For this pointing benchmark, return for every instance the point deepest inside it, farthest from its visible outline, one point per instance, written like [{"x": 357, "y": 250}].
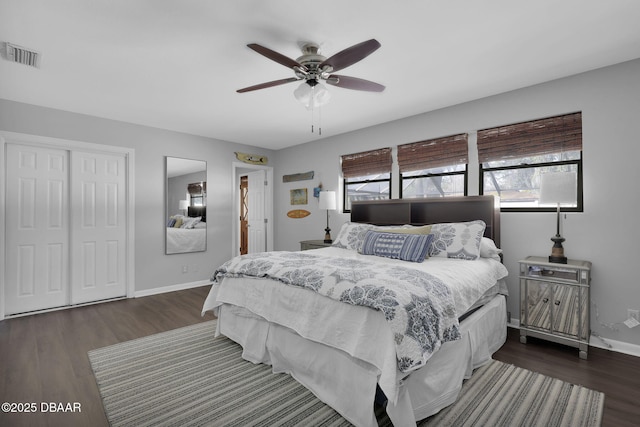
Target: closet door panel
[
  {"x": 37, "y": 230},
  {"x": 98, "y": 230}
]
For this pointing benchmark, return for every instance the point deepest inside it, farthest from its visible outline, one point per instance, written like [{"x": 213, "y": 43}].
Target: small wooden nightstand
[
  {"x": 554, "y": 302},
  {"x": 313, "y": 244}
]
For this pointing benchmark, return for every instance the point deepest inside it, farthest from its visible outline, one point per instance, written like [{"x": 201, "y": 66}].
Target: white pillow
[
  {"x": 459, "y": 240},
  {"x": 488, "y": 249},
  {"x": 190, "y": 222}
]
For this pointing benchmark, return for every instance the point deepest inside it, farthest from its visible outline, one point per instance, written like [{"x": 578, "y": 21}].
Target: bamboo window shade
[
  {"x": 367, "y": 163},
  {"x": 433, "y": 153},
  {"x": 197, "y": 188},
  {"x": 532, "y": 138}
]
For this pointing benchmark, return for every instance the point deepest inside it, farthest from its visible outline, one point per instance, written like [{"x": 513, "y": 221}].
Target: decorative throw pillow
[
  {"x": 178, "y": 223},
  {"x": 351, "y": 235},
  {"x": 171, "y": 222},
  {"x": 407, "y": 247},
  {"x": 457, "y": 239}
]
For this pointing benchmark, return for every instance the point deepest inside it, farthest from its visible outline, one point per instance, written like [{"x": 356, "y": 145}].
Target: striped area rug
[{"x": 185, "y": 377}]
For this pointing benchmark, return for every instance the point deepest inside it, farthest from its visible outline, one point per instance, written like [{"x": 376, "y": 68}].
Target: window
[
  {"x": 197, "y": 194},
  {"x": 513, "y": 158},
  {"x": 434, "y": 168},
  {"x": 367, "y": 176}
]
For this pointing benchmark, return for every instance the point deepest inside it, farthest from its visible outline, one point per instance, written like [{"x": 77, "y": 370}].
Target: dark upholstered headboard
[
  {"x": 431, "y": 211},
  {"x": 201, "y": 211}
]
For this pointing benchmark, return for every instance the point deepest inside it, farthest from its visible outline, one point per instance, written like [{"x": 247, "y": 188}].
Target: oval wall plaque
[{"x": 298, "y": 213}]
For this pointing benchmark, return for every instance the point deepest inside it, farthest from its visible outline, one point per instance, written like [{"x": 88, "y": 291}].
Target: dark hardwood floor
[{"x": 43, "y": 358}]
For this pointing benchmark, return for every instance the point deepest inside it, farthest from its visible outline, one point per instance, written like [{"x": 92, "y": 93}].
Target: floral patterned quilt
[{"x": 418, "y": 307}]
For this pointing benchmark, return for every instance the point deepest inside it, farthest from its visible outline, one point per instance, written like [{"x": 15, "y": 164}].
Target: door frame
[
  {"x": 238, "y": 169},
  {"x": 66, "y": 144}
]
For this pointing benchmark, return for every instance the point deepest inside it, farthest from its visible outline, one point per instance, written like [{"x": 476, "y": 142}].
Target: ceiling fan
[{"x": 313, "y": 67}]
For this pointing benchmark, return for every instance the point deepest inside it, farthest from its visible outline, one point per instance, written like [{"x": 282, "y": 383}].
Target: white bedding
[
  {"x": 468, "y": 280},
  {"x": 181, "y": 240},
  {"x": 360, "y": 333},
  {"x": 348, "y": 384}
]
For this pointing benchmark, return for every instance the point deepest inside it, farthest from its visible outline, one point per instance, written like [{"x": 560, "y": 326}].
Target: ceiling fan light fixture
[
  {"x": 312, "y": 95},
  {"x": 312, "y": 66}
]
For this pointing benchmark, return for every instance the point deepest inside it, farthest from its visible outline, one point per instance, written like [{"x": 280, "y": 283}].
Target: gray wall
[
  {"x": 154, "y": 269},
  {"x": 606, "y": 233}
]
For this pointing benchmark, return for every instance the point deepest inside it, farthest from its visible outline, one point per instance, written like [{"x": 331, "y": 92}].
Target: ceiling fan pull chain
[
  {"x": 312, "y": 104},
  {"x": 320, "y": 121}
]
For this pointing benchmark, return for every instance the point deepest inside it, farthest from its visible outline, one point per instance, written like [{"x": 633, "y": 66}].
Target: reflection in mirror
[{"x": 186, "y": 206}]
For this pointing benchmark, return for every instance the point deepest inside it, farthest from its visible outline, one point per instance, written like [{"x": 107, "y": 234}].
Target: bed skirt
[{"x": 348, "y": 384}]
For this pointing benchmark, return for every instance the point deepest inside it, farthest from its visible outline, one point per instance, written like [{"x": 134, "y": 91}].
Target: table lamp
[
  {"x": 558, "y": 188},
  {"x": 327, "y": 201}
]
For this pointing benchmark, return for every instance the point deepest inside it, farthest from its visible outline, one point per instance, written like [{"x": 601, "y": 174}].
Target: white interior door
[
  {"x": 37, "y": 229},
  {"x": 256, "y": 202},
  {"x": 98, "y": 226}
]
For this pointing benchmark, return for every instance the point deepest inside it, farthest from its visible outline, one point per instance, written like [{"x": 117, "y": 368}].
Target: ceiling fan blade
[
  {"x": 354, "y": 83},
  {"x": 267, "y": 84},
  {"x": 351, "y": 55},
  {"x": 277, "y": 57}
]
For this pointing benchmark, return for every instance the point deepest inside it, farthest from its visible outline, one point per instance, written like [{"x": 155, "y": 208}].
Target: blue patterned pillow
[{"x": 407, "y": 247}]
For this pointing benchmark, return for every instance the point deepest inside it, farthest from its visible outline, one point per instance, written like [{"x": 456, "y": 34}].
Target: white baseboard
[
  {"x": 171, "y": 288},
  {"x": 599, "y": 342},
  {"x": 613, "y": 345}
]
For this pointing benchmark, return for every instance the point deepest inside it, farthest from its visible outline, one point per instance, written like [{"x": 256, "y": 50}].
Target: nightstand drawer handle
[
  {"x": 557, "y": 302},
  {"x": 545, "y": 300}
]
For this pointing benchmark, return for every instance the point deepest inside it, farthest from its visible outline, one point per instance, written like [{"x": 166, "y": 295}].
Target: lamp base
[
  {"x": 327, "y": 235},
  {"x": 557, "y": 251}
]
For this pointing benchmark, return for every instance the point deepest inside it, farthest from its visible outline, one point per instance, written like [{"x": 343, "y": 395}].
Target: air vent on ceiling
[{"x": 22, "y": 55}]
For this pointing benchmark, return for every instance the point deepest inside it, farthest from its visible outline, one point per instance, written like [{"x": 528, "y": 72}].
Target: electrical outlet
[
  {"x": 633, "y": 314},
  {"x": 185, "y": 269}
]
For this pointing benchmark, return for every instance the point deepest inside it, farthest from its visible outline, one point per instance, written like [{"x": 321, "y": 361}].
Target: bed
[
  {"x": 355, "y": 324},
  {"x": 191, "y": 233}
]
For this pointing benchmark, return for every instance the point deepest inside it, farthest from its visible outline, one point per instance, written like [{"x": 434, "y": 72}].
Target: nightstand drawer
[
  {"x": 305, "y": 245},
  {"x": 536, "y": 271}
]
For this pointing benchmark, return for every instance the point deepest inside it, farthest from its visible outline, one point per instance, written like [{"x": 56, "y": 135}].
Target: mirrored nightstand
[{"x": 554, "y": 302}]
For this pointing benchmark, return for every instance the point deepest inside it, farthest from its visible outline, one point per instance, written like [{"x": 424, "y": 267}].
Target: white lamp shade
[
  {"x": 183, "y": 204},
  {"x": 327, "y": 200},
  {"x": 558, "y": 187}
]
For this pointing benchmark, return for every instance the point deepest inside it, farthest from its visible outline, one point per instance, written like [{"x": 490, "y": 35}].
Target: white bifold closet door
[
  {"x": 65, "y": 228},
  {"x": 98, "y": 227},
  {"x": 37, "y": 229}
]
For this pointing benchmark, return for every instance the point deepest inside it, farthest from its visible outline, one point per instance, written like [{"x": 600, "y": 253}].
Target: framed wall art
[{"x": 299, "y": 196}]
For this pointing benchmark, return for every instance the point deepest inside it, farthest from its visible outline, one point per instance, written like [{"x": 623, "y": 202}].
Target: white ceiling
[{"x": 176, "y": 64}]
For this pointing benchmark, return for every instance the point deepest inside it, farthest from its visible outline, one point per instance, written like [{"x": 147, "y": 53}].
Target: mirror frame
[{"x": 181, "y": 173}]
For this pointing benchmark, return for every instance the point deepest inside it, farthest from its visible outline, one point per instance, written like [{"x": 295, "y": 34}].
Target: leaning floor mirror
[{"x": 186, "y": 206}]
